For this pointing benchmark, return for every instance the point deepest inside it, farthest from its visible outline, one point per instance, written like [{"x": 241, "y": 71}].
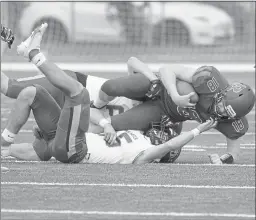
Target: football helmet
[
  {"x": 238, "y": 100},
  {"x": 161, "y": 132}
]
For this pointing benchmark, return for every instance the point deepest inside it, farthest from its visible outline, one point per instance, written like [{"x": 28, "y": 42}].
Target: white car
[
  {"x": 170, "y": 22},
  {"x": 72, "y": 21},
  {"x": 190, "y": 22}
]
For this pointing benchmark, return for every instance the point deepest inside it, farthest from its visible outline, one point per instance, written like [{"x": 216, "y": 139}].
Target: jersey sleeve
[
  {"x": 208, "y": 80},
  {"x": 233, "y": 129}
]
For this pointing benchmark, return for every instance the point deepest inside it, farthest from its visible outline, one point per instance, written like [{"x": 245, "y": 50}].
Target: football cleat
[
  {"x": 215, "y": 159},
  {"x": 32, "y": 42}
]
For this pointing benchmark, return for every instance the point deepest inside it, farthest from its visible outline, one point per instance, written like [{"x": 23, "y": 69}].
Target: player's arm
[
  {"x": 233, "y": 151},
  {"x": 232, "y": 130},
  {"x": 22, "y": 151},
  {"x": 157, "y": 152},
  {"x": 134, "y": 65},
  {"x": 169, "y": 74},
  {"x": 98, "y": 118}
]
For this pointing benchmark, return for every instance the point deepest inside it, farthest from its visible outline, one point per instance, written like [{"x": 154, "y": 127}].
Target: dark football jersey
[{"x": 207, "y": 81}]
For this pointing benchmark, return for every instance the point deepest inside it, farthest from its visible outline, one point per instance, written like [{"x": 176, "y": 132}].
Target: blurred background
[{"x": 153, "y": 31}]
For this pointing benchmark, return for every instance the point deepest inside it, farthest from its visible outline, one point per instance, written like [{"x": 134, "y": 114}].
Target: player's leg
[
  {"x": 4, "y": 83},
  {"x": 22, "y": 151},
  {"x": 19, "y": 115},
  {"x": 30, "y": 48},
  {"x": 45, "y": 110},
  {"x": 69, "y": 145},
  {"x": 12, "y": 87},
  {"x": 139, "y": 117},
  {"x": 133, "y": 87}
]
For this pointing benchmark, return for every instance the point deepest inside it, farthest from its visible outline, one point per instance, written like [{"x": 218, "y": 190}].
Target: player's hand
[
  {"x": 211, "y": 123},
  {"x": 110, "y": 134},
  {"x": 155, "y": 89},
  {"x": 7, "y": 35},
  {"x": 184, "y": 100}
]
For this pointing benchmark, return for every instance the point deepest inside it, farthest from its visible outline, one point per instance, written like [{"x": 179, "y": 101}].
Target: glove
[
  {"x": 154, "y": 90},
  {"x": 215, "y": 159},
  {"x": 7, "y": 35}
]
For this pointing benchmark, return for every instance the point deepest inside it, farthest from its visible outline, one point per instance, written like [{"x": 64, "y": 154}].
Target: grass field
[{"x": 190, "y": 189}]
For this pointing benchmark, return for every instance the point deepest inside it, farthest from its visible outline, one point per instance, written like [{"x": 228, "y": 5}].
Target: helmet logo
[
  {"x": 230, "y": 111},
  {"x": 238, "y": 125},
  {"x": 212, "y": 84},
  {"x": 236, "y": 87}
]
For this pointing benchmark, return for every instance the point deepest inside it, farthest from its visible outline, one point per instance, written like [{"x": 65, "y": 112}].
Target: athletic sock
[
  {"x": 98, "y": 103},
  {"x": 8, "y": 137},
  {"x": 37, "y": 57}
]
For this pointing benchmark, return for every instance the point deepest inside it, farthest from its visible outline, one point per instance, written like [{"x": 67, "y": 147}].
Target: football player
[
  {"x": 12, "y": 88},
  {"x": 61, "y": 132},
  {"x": 211, "y": 96},
  {"x": 131, "y": 146}
]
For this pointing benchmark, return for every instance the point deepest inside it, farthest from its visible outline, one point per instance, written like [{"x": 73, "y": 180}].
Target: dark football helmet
[{"x": 163, "y": 131}]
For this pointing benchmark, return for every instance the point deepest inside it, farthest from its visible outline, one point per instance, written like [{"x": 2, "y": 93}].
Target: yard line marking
[
  {"x": 129, "y": 185},
  {"x": 243, "y": 146},
  {"x": 171, "y": 164},
  {"x": 187, "y": 214}
]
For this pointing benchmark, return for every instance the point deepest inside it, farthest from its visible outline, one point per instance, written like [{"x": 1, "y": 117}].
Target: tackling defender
[
  {"x": 214, "y": 97},
  {"x": 66, "y": 140}
]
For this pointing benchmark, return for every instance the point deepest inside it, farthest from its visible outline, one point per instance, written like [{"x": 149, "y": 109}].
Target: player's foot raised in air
[{"x": 33, "y": 41}]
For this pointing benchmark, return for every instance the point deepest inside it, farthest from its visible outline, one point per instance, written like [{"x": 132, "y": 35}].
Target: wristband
[
  {"x": 103, "y": 122},
  {"x": 195, "y": 132}
]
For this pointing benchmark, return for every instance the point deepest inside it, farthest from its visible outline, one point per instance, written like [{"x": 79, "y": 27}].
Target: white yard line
[
  {"x": 117, "y": 213},
  {"x": 6, "y": 160},
  {"x": 129, "y": 185}
]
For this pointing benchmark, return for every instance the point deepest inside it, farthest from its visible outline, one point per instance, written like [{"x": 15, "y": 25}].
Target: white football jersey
[{"x": 130, "y": 145}]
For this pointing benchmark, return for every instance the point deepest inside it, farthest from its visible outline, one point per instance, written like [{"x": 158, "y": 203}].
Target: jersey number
[
  {"x": 238, "y": 125},
  {"x": 123, "y": 136},
  {"x": 212, "y": 84},
  {"x": 237, "y": 87}
]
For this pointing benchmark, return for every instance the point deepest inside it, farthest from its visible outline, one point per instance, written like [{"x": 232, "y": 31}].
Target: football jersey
[
  {"x": 206, "y": 82},
  {"x": 129, "y": 145}
]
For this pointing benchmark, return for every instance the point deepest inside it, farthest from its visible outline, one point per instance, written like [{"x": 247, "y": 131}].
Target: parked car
[
  {"x": 158, "y": 22},
  {"x": 72, "y": 21},
  {"x": 190, "y": 22}
]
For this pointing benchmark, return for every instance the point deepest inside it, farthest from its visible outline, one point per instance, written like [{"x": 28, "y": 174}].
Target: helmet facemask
[{"x": 220, "y": 98}]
